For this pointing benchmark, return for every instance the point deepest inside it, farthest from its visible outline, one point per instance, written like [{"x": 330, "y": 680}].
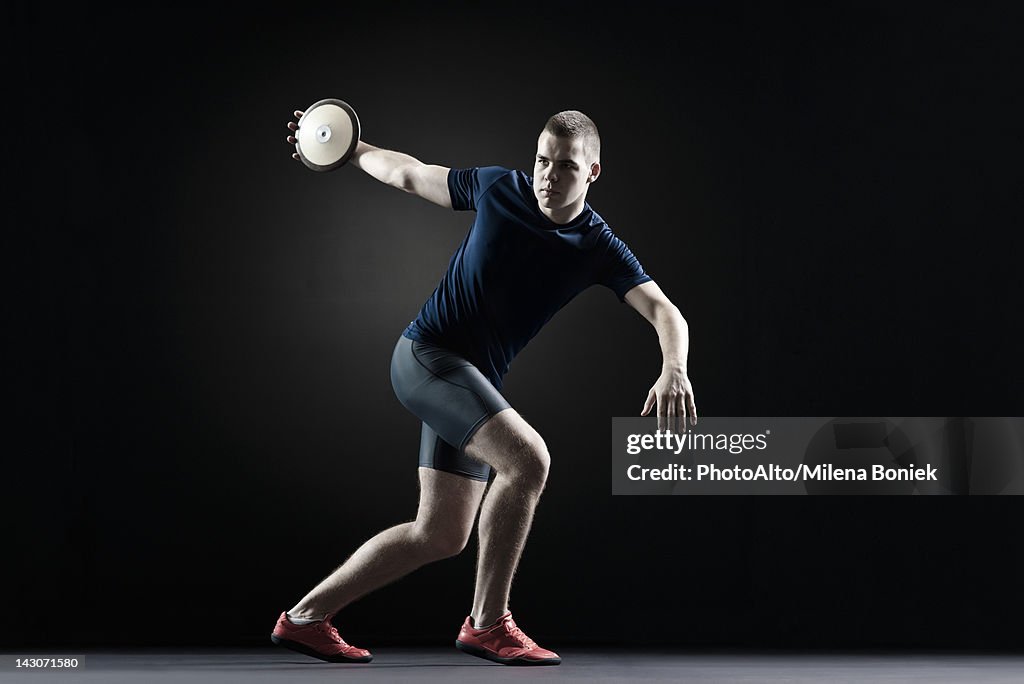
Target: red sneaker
[
  {"x": 503, "y": 643},
  {"x": 318, "y": 639}
]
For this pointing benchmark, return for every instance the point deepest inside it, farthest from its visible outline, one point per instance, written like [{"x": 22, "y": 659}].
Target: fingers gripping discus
[{"x": 327, "y": 135}]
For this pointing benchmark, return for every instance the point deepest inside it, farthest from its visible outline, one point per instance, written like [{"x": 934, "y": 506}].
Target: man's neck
[{"x": 565, "y": 215}]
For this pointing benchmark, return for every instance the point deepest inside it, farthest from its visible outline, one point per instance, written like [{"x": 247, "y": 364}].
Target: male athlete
[{"x": 535, "y": 244}]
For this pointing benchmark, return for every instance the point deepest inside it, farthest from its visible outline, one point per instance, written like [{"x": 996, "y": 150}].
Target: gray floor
[{"x": 443, "y": 666}]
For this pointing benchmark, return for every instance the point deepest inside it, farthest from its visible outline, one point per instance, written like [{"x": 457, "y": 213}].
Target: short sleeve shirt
[{"x": 515, "y": 269}]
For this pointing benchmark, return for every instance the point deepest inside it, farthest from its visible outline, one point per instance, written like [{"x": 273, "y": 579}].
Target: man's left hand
[{"x": 673, "y": 396}]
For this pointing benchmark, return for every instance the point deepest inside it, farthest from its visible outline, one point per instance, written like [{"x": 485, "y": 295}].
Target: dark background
[{"x": 204, "y": 424}]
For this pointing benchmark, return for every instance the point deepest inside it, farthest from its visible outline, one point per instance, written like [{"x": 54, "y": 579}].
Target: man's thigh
[
  {"x": 452, "y": 398},
  {"x": 440, "y": 455}
]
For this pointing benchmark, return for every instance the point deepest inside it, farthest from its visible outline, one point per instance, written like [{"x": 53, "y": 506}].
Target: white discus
[{"x": 327, "y": 135}]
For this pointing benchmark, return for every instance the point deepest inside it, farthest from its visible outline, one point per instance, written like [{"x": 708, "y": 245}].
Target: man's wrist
[{"x": 676, "y": 367}]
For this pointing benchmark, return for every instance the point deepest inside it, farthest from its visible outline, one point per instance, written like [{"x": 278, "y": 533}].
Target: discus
[{"x": 327, "y": 135}]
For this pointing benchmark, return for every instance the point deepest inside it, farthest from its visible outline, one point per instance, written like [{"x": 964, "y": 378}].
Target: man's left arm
[{"x": 672, "y": 392}]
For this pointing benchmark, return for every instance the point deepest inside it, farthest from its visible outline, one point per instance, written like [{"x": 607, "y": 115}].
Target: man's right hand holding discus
[{"x": 326, "y": 134}]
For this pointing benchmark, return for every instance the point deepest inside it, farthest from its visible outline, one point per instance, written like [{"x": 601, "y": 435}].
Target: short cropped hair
[{"x": 573, "y": 124}]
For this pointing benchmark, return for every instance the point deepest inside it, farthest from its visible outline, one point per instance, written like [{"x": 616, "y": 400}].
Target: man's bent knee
[
  {"x": 512, "y": 447},
  {"x": 447, "y": 546},
  {"x": 536, "y": 463},
  {"x": 528, "y": 463},
  {"x": 439, "y": 541}
]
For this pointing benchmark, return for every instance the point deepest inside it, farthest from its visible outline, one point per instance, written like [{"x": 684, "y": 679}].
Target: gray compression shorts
[{"x": 452, "y": 398}]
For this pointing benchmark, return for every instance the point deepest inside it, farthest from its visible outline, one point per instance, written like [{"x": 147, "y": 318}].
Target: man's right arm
[{"x": 404, "y": 172}]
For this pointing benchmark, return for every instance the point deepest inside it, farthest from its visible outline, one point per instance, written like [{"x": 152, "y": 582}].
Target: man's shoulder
[
  {"x": 597, "y": 225},
  {"x": 513, "y": 184},
  {"x": 489, "y": 176},
  {"x": 492, "y": 172}
]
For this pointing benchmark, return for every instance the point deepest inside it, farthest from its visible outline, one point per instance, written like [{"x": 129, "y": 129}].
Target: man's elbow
[{"x": 669, "y": 312}]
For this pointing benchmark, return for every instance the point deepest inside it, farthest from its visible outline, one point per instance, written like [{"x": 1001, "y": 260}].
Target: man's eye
[{"x": 541, "y": 162}]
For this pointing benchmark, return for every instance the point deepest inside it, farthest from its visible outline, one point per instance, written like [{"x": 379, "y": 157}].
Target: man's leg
[
  {"x": 520, "y": 458},
  {"x": 447, "y": 509}
]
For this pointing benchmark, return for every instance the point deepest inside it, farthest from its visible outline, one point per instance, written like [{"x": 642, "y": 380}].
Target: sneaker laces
[
  {"x": 520, "y": 635},
  {"x": 330, "y": 630}
]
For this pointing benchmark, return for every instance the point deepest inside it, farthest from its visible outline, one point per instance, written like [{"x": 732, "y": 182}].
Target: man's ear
[{"x": 595, "y": 171}]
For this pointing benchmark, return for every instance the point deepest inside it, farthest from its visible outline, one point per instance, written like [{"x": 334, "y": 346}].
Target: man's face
[{"x": 561, "y": 173}]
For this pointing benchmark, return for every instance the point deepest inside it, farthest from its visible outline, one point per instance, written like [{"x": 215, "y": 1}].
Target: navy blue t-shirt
[{"x": 515, "y": 269}]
